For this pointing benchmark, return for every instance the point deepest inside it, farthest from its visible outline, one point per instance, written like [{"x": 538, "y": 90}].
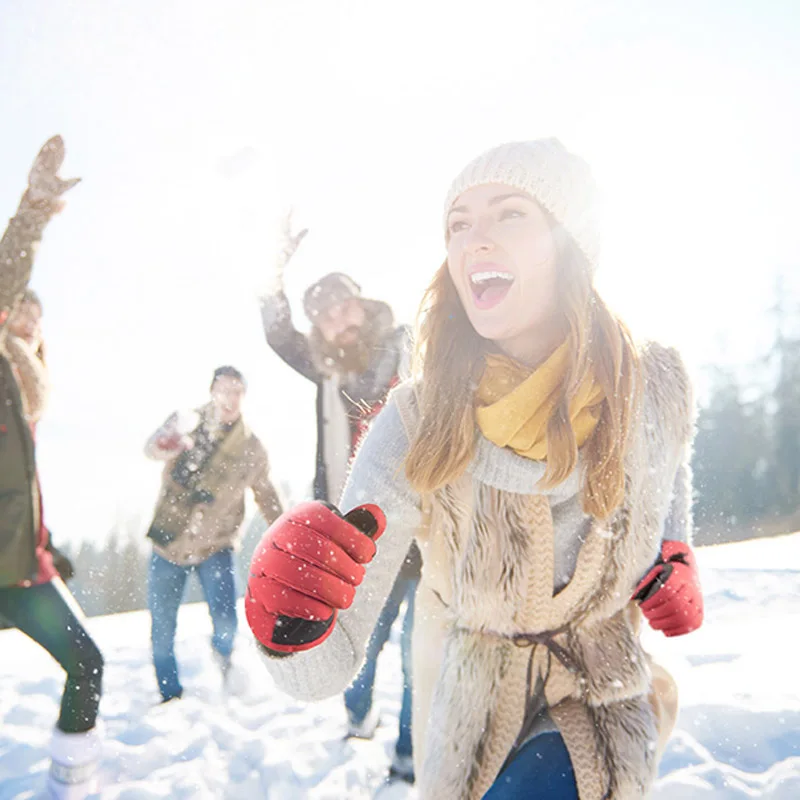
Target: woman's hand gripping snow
[{"x": 305, "y": 570}]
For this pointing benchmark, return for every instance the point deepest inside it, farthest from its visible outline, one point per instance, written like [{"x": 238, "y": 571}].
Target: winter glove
[
  {"x": 62, "y": 564},
  {"x": 305, "y": 569},
  {"x": 173, "y": 443},
  {"x": 45, "y": 187},
  {"x": 289, "y": 244},
  {"x": 172, "y": 438},
  {"x": 40, "y": 201},
  {"x": 273, "y": 285},
  {"x": 670, "y": 595}
]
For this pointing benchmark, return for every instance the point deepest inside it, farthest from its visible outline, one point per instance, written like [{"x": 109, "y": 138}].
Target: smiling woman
[
  {"x": 549, "y": 455},
  {"x": 32, "y": 597}
]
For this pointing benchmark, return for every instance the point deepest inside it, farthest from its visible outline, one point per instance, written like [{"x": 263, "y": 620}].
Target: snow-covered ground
[{"x": 738, "y": 735}]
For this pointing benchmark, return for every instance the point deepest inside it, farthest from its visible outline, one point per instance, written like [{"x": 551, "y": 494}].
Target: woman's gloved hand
[
  {"x": 306, "y": 569},
  {"x": 670, "y": 595}
]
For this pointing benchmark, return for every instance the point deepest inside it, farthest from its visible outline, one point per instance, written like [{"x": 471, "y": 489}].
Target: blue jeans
[
  {"x": 541, "y": 768},
  {"x": 358, "y": 698},
  {"x": 165, "y": 592}
]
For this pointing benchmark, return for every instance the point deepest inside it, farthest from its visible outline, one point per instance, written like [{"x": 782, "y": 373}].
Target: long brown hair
[{"x": 449, "y": 359}]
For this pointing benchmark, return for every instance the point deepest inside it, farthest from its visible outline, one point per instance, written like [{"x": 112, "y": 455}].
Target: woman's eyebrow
[
  {"x": 499, "y": 199},
  {"x": 492, "y": 202}
]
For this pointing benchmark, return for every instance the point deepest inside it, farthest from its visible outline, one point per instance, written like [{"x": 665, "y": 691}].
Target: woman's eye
[
  {"x": 511, "y": 213},
  {"x": 458, "y": 225}
]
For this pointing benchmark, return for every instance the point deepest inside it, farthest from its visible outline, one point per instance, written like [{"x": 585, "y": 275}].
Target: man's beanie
[
  {"x": 327, "y": 292},
  {"x": 558, "y": 180},
  {"x": 229, "y": 372}
]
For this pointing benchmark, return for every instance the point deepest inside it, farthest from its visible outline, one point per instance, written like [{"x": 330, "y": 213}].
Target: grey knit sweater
[{"x": 378, "y": 476}]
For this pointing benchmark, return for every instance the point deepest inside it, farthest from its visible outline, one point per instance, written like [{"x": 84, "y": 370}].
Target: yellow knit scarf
[{"x": 514, "y": 405}]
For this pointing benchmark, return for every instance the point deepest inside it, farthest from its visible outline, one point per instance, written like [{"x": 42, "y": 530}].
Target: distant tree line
[
  {"x": 747, "y": 449},
  {"x": 111, "y": 576}
]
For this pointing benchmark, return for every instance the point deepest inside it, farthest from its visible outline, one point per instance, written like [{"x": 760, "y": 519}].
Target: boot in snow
[
  {"x": 75, "y": 757},
  {"x": 164, "y": 700},
  {"x": 365, "y": 729},
  {"x": 224, "y": 664},
  {"x": 402, "y": 768}
]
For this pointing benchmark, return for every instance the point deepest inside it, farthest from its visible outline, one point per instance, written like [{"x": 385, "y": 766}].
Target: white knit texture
[{"x": 558, "y": 180}]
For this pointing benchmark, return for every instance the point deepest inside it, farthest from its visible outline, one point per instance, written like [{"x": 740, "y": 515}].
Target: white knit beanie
[{"x": 558, "y": 180}]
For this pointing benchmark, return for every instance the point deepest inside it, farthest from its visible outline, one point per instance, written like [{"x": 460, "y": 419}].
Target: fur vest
[
  {"x": 31, "y": 374},
  {"x": 492, "y": 641}
]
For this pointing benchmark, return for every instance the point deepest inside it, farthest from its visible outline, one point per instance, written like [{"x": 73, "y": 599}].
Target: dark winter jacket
[
  {"x": 360, "y": 395},
  {"x": 24, "y": 557},
  {"x": 20, "y": 520}
]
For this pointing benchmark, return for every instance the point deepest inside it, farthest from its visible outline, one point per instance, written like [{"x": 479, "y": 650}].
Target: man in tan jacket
[{"x": 209, "y": 465}]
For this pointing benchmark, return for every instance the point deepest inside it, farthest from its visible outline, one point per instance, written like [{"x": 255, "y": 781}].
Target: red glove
[
  {"x": 168, "y": 441},
  {"x": 670, "y": 595},
  {"x": 305, "y": 569},
  {"x": 174, "y": 442}
]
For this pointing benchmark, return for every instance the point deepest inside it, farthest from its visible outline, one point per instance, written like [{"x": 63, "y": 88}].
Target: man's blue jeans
[
  {"x": 358, "y": 698},
  {"x": 165, "y": 592}
]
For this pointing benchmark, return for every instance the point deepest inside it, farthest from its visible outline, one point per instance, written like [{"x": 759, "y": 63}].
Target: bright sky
[{"x": 194, "y": 124}]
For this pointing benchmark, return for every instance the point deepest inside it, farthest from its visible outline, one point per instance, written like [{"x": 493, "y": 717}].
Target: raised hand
[
  {"x": 291, "y": 241},
  {"x": 41, "y": 200},
  {"x": 45, "y": 186},
  {"x": 288, "y": 247}
]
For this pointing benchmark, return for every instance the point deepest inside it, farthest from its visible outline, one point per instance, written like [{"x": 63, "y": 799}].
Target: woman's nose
[{"x": 477, "y": 241}]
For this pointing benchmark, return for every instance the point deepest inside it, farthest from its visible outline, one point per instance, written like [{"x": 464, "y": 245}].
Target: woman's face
[{"x": 501, "y": 255}]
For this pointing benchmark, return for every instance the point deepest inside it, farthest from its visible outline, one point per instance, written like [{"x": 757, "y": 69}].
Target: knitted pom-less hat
[
  {"x": 329, "y": 291},
  {"x": 558, "y": 180}
]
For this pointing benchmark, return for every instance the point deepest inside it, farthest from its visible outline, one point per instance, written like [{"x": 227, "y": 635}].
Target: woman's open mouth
[{"x": 489, "y": 287}]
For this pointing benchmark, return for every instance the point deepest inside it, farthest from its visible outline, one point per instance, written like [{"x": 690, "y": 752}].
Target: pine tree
[
  {"x": 786, "y": 353},
  {"x": 732, "y": 456}
]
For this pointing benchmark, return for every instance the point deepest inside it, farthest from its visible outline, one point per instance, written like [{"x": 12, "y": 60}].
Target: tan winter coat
[
  {"x": 488, "y": 576},
  {"x": 201, "y": 529}
]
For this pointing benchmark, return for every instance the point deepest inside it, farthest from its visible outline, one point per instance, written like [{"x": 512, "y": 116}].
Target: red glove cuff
[{"x": 278, "y": 632}]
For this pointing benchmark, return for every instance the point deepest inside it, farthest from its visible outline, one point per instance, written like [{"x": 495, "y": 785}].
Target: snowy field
[{"x": 738, "y": 735}]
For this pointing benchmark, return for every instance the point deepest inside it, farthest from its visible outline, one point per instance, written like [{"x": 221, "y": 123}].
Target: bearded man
[{"x": 353, "y": 353}]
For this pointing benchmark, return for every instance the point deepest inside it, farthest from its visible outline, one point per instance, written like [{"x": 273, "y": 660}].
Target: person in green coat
[{"x": 32, "y": 597}]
